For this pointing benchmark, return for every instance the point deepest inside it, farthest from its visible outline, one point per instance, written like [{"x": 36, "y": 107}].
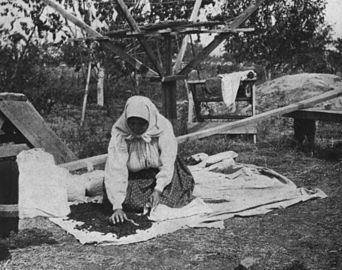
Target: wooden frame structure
[
  {"x": 22, "y": 128},
  {"x": 171, "y": 73},
  {"x": 200, "y": 94}
]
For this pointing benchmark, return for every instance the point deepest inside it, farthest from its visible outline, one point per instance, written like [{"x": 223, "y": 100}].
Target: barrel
[{"x": 9, "y": 217}]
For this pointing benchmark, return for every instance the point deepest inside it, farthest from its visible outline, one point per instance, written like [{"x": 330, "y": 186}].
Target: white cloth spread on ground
[
  {"x": 238, "y": 190},
  {"x": 230, "y": 83}
]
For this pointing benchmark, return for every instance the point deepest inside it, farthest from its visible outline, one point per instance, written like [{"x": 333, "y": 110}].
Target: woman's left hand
[{"x": 155, "y": 198}]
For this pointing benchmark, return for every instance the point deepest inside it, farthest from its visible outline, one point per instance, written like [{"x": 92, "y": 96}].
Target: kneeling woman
[{"x": 142, "y": 165}]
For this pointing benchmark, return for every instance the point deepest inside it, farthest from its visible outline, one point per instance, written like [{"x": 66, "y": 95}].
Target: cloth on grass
[
  {"x": 228, "y": 191},
  {"x": 230, "y": 83},
  {"x": 45, "y": 188},
  {"x": 141, "y": 185}
]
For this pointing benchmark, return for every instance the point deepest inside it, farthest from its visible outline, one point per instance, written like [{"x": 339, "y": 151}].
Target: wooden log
[
  {"x": 135, "y": 63},
  {"x": 247, "y": 121}
]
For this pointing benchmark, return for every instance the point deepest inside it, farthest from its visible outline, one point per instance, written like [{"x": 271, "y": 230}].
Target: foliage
[
  {"x": 335, "y": 55},
  {"x": 289, "y": 35}
]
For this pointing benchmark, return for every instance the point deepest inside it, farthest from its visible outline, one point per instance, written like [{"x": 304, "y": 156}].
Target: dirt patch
[
  {"x": 289, "y": 89},
  {"x": 96, "y": 218},
  {"x": 29, "y": 237}
]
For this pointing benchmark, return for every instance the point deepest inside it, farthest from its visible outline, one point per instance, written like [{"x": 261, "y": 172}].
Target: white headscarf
[{"x": 142, "y": 107}]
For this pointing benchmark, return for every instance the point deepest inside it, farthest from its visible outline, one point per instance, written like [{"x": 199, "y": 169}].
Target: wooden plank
[
  {"x": 135, "y": 63},
  {"x": 12, "y": 150},
  {"x": 30, "y": 123},
  {"x": 196, "y": 126},
  {"x": 9, "y": 210},
  {"x": 141, "y": 39},
  {"x": 173, "y": 78},
  {"x": 173, "y": 32},
  {"x": 224, "y": 116},
  {"x": 84, "y": 163},
  {"x": 317, "y": 114},
  {"x": 219, "y": 38},
  {"x": 185, "y": 41},
  {"x": 12, "y": 96},
  {"x": 247, "y": 121}
]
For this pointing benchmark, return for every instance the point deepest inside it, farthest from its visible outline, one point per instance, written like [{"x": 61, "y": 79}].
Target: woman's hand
[
  {"x": 155, "y": 198},
  {"x": 118, "y": 216}
]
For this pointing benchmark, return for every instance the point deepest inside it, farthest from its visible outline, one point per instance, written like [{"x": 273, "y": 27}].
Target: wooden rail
[{"x": 317, "y": 114}]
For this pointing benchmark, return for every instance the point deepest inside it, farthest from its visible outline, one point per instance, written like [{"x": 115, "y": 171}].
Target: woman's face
[{"x": 137, "y": 125}]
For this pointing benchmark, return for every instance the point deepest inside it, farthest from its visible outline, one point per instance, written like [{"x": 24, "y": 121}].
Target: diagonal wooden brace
[
  {"x": 141, "y": 39},
  {"x": 221, "y": 37},
  {"x": 135, "y": 63}
]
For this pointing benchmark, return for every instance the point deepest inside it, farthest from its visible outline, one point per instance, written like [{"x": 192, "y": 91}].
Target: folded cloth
[{"x": 230, "y": 84}]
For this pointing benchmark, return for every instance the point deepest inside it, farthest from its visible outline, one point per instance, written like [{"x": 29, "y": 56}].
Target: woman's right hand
[{"x": 118, "y": 216}]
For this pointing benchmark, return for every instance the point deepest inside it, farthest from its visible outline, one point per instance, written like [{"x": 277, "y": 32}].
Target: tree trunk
[{"x": 100, "y": 85}]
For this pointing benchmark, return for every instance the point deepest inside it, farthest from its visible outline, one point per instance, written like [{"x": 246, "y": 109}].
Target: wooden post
[
  {"x": 169, "y": 88},
  {"x": 253, "y": 108},
  {"x": 181, "y": 53},
  {"x": 86, "y": 91},
  {"x": 169, "y": 101},
  {"x": 100, "y": 83}
]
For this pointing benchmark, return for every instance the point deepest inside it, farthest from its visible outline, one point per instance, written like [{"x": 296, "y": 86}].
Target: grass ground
[{"x": 305, "y": 236}]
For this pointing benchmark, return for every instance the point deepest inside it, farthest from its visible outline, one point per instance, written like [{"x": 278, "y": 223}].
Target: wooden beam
[
  {"x": 169, "y": 88},
  {"x": 135, "y": 63},
  {"x": 252, "y": 120},
  {"x": 12, "y": 96},
  {"x": 185, "y": 41},
  {"x": 84, "y": 163},
  {"x": 141, "y": 39},
  {"x": 32, "y": 126},
  {"x": 9, "y": 210},
  {"x": 173, "y": 78},
  {"x": 12, "y": 150},
  {"x": 317, "y": 114},
  {"x": 221, "y": 37}
]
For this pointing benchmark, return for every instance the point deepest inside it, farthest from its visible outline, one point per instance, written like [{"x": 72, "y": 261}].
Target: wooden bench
[
  {"x": 305, "y": 122},
  {"x": 202, "y": 95}
]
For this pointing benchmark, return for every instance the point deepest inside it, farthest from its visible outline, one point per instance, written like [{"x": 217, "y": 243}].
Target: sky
[{"x": 334, "y": 16}]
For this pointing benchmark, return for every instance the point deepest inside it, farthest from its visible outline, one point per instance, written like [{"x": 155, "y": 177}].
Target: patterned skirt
[{"x": 141, "y": 185}]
